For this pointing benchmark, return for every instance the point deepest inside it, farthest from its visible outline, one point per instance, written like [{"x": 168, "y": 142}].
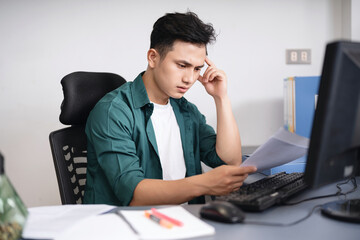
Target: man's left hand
[{"x": 214, "y": 80}]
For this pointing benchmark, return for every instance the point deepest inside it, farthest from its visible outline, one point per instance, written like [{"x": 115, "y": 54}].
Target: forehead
[{"x": 189, "y": 52}]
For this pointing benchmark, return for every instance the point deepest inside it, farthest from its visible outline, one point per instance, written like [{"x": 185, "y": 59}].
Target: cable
[
  {"x": 284, "y": 224},
  {"x": 338, "y": 193},
  {"x": 353, "y": 180}
]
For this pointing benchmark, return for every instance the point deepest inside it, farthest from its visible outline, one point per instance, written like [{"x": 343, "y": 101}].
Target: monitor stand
[{"x": 344, "y": 210}]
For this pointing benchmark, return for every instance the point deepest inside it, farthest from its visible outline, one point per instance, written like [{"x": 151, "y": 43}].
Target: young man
[{"x": 146, "y": 141}]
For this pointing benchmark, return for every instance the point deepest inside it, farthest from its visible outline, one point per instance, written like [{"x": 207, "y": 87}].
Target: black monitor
[{"x": 334, "y": 151}]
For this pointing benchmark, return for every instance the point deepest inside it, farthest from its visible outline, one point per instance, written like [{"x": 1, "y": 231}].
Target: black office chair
[{"x": 82, "y": 90}]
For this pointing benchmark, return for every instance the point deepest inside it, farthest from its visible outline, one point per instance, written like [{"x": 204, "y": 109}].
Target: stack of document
[{"x": 49, "y": 222}]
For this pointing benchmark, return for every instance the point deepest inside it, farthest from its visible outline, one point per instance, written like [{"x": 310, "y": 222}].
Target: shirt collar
[
  {"x": 138, "y": 92},
  {"x": 181, "y": 102}
]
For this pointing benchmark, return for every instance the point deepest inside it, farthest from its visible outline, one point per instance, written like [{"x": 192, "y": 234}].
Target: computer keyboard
[{"x": 266, "y": 192}]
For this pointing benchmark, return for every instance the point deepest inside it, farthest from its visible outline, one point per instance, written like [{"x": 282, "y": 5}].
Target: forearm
[
  {"x": 219, "y": 181},
  {"x": 161, "y": 192},
  {"x": 228, "y": 143}
]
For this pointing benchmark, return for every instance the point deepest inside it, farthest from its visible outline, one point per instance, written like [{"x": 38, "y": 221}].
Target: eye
[
  {"x": 197, "y": 69},
  {"x": 181, "y": 65}
]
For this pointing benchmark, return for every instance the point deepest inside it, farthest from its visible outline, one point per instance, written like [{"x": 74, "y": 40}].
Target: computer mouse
[{"x": 222, "y": 211}]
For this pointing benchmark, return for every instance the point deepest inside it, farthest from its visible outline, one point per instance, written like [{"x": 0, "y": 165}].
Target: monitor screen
[{"x": 335, "y": 138}]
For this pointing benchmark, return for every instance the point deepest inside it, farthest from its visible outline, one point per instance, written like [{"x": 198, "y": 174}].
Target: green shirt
[{"x": 122, "y": 148}]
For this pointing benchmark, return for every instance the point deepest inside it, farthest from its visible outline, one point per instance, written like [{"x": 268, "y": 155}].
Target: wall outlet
[{"x": 298, "y": 56}]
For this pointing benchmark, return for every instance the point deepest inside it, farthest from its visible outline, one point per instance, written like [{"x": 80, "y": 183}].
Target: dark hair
[{"x": 186, "y": 27}]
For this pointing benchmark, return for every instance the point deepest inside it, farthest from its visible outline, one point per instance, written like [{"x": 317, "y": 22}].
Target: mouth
[{"x": 182, "y": 89}]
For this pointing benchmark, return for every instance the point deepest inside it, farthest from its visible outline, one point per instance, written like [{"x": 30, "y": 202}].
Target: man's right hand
[{"x": 225, "y": 179}]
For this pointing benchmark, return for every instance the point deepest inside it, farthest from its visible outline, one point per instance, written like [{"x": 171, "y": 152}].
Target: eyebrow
[{"x": 189, "y": 64}]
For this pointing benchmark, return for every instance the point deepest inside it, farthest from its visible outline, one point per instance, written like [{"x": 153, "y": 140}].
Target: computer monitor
[{"x": 334, "y": 150}]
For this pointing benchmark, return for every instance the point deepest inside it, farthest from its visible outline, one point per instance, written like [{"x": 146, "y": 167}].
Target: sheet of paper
[
  {"x": 148, "y": 229},
  {"x": 49, "y": 221},
  {"x": 281, "y": 148},
  {"x": 105, "y": 226}
]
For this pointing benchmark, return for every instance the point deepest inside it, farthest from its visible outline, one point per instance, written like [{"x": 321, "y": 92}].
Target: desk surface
[{"x": 316, "y": 226}]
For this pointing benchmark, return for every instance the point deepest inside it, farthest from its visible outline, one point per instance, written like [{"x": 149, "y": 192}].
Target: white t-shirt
[{"x": 168, "y": 141}]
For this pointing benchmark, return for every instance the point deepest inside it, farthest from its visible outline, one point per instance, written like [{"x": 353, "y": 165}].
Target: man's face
[{"x": 175, "y": 73}]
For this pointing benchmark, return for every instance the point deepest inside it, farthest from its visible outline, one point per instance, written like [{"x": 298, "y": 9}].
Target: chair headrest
[{"x": 82, "y": 90}]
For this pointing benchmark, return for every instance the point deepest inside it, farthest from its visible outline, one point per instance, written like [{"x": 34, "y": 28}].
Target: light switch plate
[{"x": 298, "y": 56}]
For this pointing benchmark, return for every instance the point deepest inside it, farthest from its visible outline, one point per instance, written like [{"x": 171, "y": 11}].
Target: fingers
[
  {"x": 248, "y": 169},
  {"x": 209, "y": 62},
  {"x": 238, "y": 180},
  {"x": 236, "y": 183},
  {"x": 237, "y": 176},
  {"x": 226, "y": 178},
  {"x": 210, "y": 73},
  {"x": 237, "y": 171}
]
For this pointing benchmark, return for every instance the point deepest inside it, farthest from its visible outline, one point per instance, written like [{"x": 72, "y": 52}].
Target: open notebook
[{"x": 147, "y": 229}]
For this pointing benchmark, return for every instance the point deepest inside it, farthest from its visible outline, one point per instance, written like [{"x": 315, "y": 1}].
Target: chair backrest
[
  {"x": 68, "y": 146},
  {"x": 82, "y": 90}
]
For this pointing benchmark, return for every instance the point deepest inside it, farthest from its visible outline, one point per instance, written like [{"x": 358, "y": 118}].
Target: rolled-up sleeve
[{"x": 109, "y": 130}]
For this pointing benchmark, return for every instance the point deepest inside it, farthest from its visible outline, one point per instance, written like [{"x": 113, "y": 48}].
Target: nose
[{"x": 189, "y": 77}]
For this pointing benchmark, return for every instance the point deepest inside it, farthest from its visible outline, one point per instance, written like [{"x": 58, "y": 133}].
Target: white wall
[
  {"x": 355, "y": 20},
  {"x": 41, "y": 41}
]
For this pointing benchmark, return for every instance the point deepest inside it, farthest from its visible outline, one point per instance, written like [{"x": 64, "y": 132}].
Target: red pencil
[{"x": 163, "y": 216}]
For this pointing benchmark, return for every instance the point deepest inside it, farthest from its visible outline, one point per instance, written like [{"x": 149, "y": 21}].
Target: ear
[{"x": 153, "y": 57}]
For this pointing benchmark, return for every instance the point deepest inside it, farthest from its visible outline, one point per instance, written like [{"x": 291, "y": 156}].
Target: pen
[
  {"x": 162, "y": 222},
  {"x": 163, "y": 216}
]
